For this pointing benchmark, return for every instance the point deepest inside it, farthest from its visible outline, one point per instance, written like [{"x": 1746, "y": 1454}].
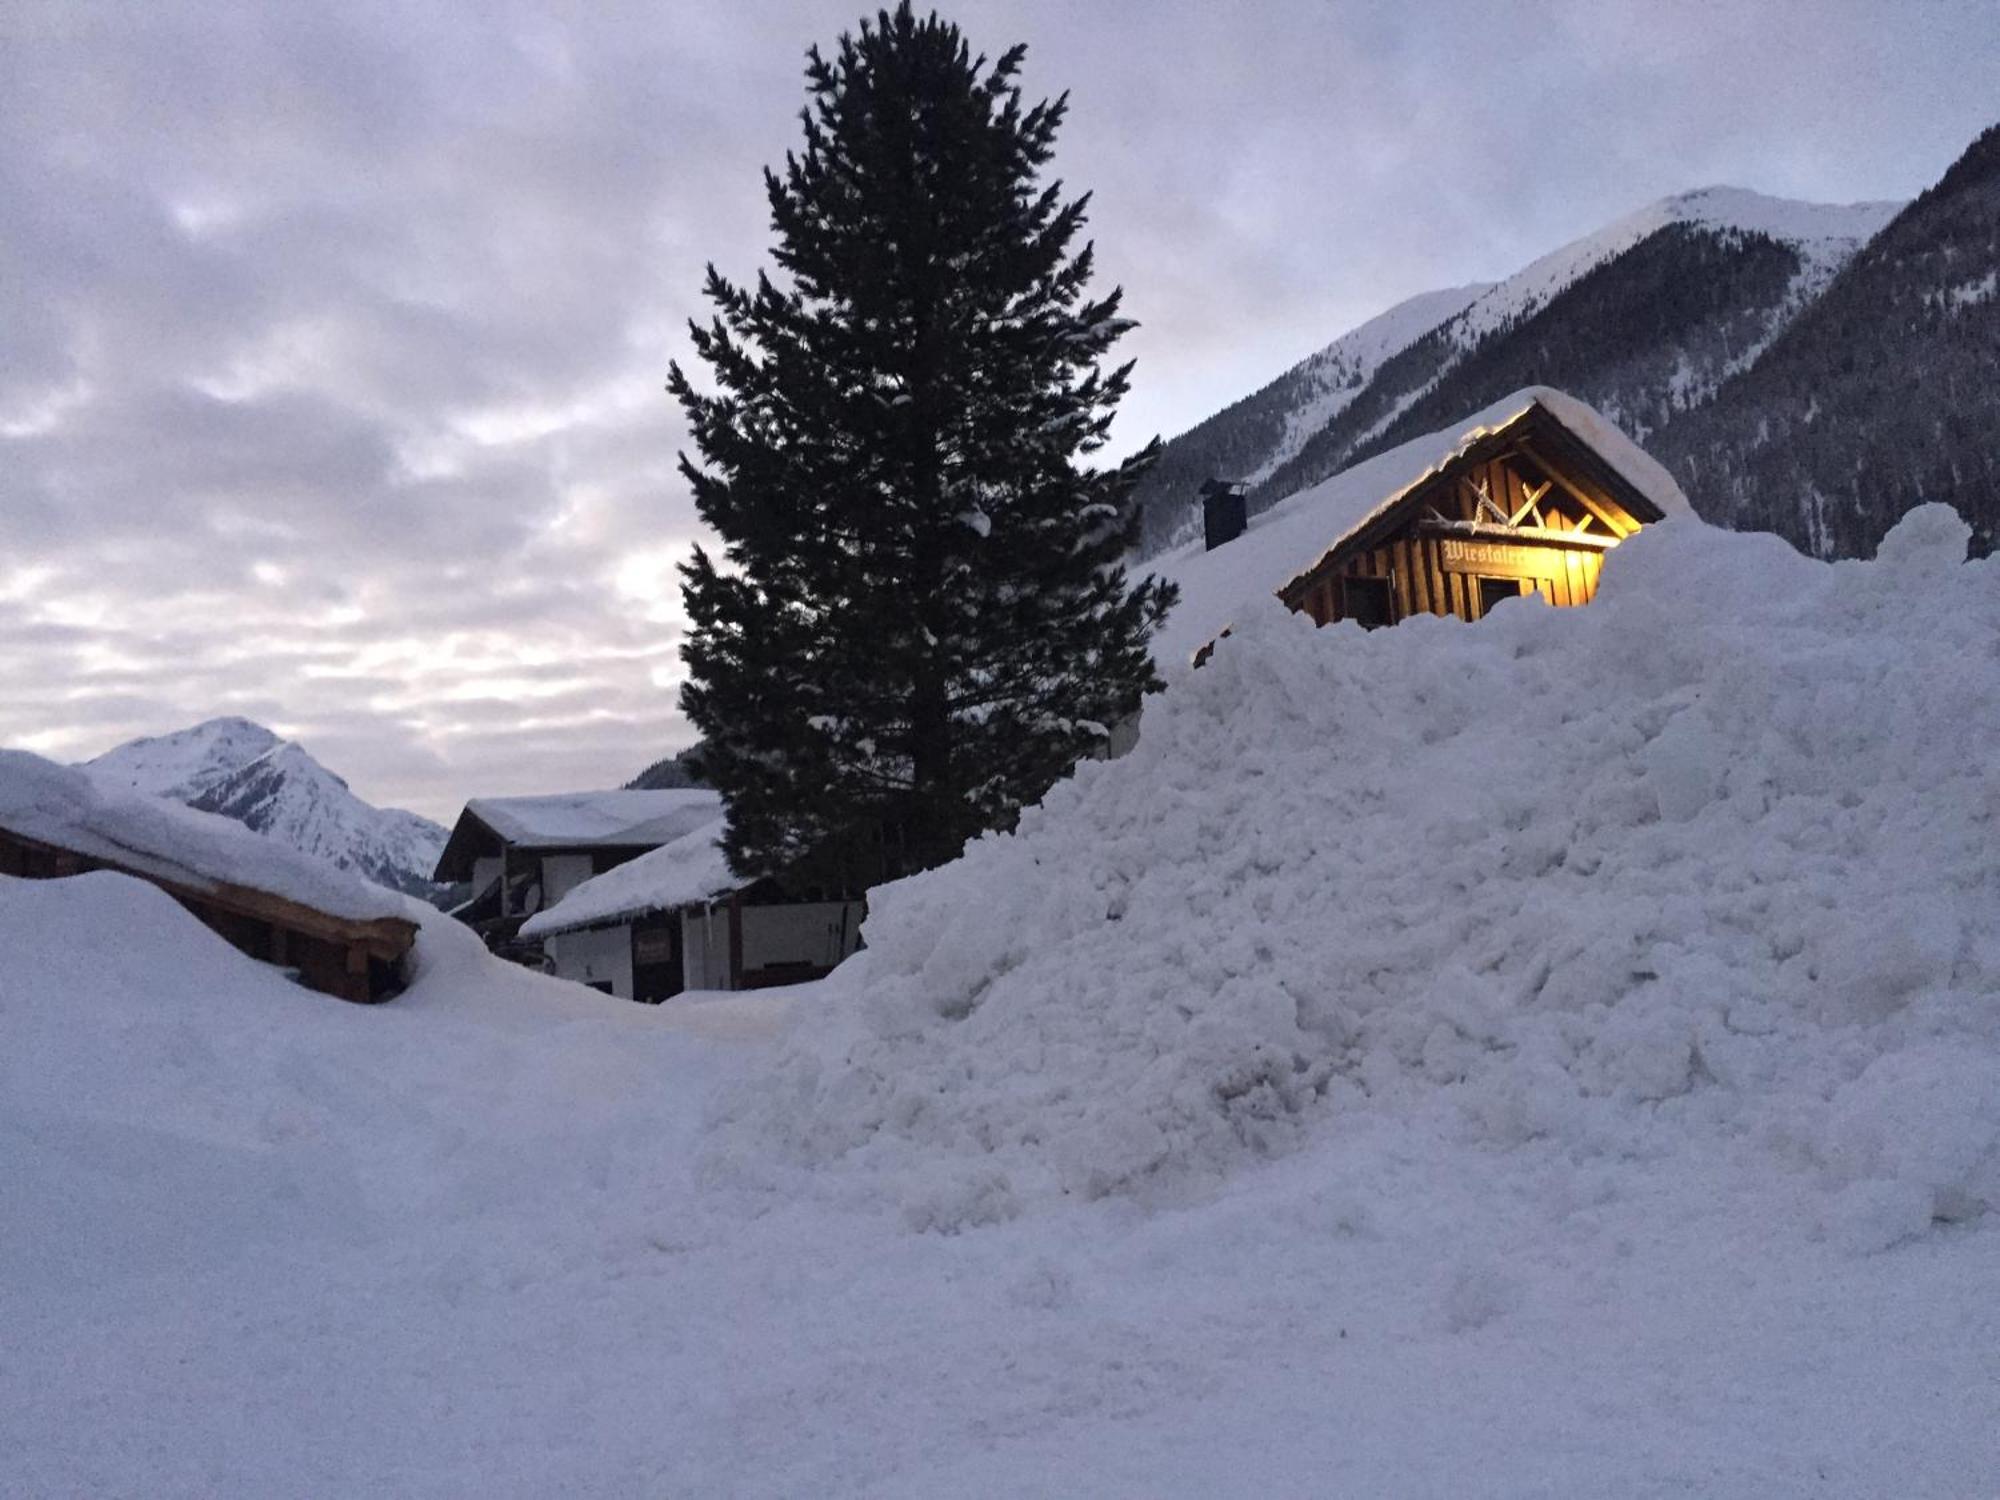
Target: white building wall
[
  {"x": 811, "y": 932},
  {"x": 705, "y": 947},
  {"x": 562, "y": 873},
  {"x": 484, "y": 872},
  {"x": 594, "y": 955}
]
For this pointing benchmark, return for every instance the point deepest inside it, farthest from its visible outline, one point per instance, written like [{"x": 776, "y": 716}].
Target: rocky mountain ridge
[{"x": 244, "y": 771}]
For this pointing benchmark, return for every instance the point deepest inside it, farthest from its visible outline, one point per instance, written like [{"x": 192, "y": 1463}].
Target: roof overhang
[{"x": 471, "y": 837}]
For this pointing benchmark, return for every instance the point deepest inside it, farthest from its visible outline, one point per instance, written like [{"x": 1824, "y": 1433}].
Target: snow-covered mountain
[
  {"x": 1823, "y": 234},
  {"x": 1265, "y": 430},
  {"x": 243, "y": 771},
  {"x": 1878, "y": 398},
  {"x": 186, "y": 763},
  {"x": 1644, "y": 318}
]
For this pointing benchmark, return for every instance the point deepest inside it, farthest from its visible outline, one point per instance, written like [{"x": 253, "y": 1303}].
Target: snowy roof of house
[
  {"x": 624, "y": 818},
  {"x": 67, "y": 808},
  {"x": 690, "y": 869},
  {"x": 1218, "y": 586}
]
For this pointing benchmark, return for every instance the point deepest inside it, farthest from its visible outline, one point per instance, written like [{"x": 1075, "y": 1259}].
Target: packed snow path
[{"x": 1665, "y": 1202}]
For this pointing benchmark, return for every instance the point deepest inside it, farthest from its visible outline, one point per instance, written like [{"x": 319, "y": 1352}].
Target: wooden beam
[{"x": 1615, "y": 520}]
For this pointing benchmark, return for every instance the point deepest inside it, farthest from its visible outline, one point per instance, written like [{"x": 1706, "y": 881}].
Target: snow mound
[{"x": 1711, "y": 864}]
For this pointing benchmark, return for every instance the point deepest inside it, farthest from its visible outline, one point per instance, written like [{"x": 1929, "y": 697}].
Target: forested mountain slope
[
  {"x": 1644, "y": 319},
  {"x": 1882, "y": 395}
]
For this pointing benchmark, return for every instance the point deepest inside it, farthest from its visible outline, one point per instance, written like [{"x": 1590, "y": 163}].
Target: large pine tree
[{"x": 922, "y": 619}]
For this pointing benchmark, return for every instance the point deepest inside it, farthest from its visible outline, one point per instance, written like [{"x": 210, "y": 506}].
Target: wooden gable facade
[{"x": 1527, "y": 508}]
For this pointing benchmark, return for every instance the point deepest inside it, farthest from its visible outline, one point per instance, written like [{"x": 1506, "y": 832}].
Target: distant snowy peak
[
  {"x": 184, "y": 764},
  {"x": 1824, "y": 234},
  {"x": 1330, "y": 379},
  {"x": 244, "y": 771}
]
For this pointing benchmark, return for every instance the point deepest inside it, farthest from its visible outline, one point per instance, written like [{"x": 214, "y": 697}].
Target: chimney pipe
[{"x": 1223, "y": 511}]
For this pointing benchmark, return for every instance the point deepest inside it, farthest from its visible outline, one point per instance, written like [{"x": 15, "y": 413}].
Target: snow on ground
[
  {"x": 1716, "y": 859},
  {"x": 1553, "y": 1057}
]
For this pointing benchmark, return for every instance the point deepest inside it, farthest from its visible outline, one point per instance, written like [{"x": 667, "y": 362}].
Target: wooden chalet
[
  {"x": 1525, "y": 498},
  {"x": 1527, "y": 507},
  {"x": 335, "y": 932}
]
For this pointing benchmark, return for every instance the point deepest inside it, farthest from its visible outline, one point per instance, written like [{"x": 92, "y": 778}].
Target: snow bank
[
  {"x": 71, "y": 809},
  {"x": 1715, "y": 860}
]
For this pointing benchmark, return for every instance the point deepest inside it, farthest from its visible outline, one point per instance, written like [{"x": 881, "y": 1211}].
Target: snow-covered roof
[
  {"x": 612, "y": 818},
  {"x": 690, "y": 869},
  {"x": 70, "y": 809},
  {"x": 1216, "y": 587}
]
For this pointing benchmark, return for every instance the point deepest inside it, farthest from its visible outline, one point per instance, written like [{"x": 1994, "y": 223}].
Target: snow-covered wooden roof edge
[
  {"x": 66, "y": 808},
  {"x": 690, "y": 870},
  {"x": 1292, "y": 536}
]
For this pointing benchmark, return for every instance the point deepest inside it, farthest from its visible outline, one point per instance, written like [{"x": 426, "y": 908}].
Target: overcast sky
[{"x": 332, "y": 336}]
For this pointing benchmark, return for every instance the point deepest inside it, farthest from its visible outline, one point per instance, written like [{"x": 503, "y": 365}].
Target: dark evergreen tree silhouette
[{"x": 920, "y": 619}]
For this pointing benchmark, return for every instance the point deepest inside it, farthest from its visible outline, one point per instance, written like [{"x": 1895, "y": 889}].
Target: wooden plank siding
[{"x": 1542, "y": 530}]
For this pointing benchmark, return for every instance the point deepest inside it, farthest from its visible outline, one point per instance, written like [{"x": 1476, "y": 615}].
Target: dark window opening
[
  {"x": 1366, "y": 602},
  {"x": 1493, "y": 590}
]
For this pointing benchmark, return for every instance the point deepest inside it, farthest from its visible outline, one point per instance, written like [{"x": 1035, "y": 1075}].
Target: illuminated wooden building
[
  {"x": 1525, "y": 508},
  {"x": 1526, "y": 497}
]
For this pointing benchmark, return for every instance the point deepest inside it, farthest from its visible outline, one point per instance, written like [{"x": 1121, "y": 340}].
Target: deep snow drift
[
  {"x": 1549, "y": 1057},
  {"x": 1713, "y": 862}
]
